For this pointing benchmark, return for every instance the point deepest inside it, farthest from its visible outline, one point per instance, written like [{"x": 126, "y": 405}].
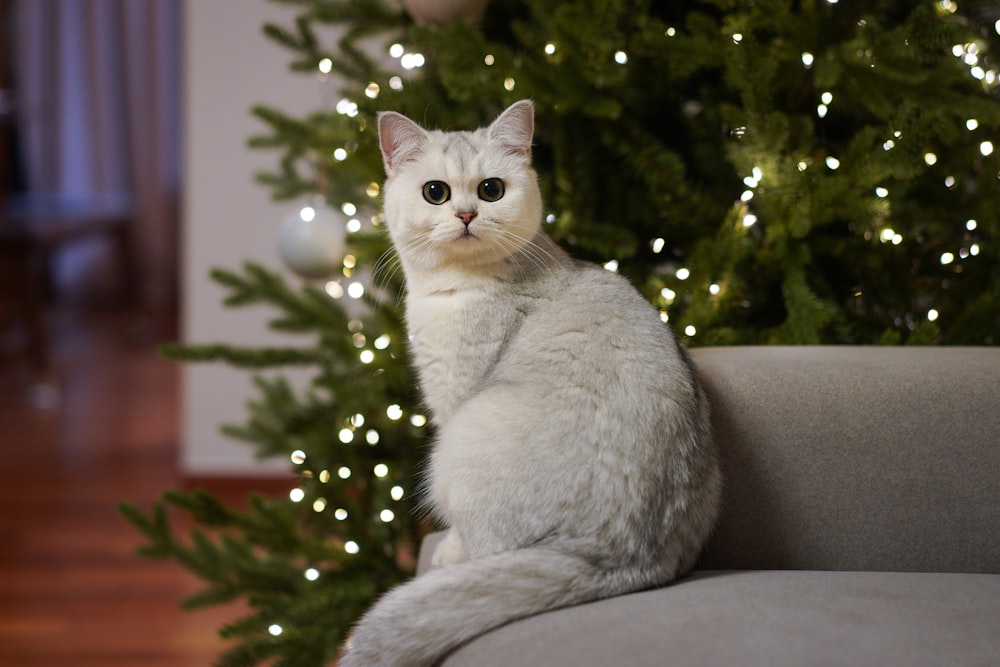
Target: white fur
[{"x": 573, "y": 459}]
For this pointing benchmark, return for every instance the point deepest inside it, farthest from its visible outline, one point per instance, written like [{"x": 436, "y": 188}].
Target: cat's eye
[
  {"x": 491, "y": 189},
  {"x": 437, "y": 192}
]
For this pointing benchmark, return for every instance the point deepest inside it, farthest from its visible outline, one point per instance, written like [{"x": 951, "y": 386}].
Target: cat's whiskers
[
  {"x": 388, "y": 264},
  {"x": 537, "y": 255}
]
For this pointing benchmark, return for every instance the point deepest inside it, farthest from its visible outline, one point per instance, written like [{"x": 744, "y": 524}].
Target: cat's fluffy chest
[{"x": 457, "y": 337}]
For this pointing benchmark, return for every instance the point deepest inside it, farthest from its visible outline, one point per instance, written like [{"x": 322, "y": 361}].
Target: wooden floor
[{"x": 71, "y": 590}]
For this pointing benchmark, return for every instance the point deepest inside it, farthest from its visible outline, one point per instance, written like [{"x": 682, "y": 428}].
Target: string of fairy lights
[{"x": 352, "y": 286}]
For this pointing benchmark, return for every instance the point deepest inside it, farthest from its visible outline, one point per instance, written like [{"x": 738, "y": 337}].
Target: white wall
[{"x": 228, "y": 218}]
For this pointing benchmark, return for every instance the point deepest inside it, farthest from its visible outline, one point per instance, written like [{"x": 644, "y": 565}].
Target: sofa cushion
[
  {"x": 856, "y": 458},
  {"x": 771, "y": 619}
]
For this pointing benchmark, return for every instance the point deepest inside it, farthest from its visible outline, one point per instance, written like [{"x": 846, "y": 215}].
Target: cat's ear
[
  {"x": 400, "y": 139},
  {"x": 515, "y": 128}
]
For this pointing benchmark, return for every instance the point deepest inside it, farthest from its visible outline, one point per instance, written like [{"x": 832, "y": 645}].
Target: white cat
[{"x": 574, "y": 459}]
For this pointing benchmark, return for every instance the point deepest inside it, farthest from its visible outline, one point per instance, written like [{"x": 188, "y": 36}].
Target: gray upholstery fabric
[
  {"x": 856, "y": 458},
  {"x": 861, "y": 513},
  {"x": 770, "y": 619}
]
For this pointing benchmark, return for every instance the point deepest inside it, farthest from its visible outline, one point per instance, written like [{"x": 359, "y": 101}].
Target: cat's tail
[{"x": 418, "y": 623}]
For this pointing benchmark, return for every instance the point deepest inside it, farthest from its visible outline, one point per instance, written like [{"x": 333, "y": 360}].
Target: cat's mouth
[{"x": 466, "y": 233}]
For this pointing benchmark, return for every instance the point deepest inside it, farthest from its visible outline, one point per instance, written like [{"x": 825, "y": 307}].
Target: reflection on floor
[{"x": 102, "y": 426}]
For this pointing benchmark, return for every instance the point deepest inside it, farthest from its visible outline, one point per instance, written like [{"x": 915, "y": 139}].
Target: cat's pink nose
[{"x": 466, "y": 216}]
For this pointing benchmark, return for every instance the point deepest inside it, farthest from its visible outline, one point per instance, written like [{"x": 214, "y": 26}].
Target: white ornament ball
[
  {"x": 443, "y": 12},
  {"x": 312, "y": 241}
]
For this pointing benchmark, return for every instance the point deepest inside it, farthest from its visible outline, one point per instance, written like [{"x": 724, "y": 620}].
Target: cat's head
[{"x": 467, "y": 200}]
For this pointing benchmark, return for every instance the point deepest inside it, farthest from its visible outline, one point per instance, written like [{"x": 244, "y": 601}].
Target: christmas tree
[{"x": 769, "y": 172}]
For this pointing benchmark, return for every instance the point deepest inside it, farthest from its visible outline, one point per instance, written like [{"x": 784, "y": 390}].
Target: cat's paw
[{"x": 448, "y": 551}]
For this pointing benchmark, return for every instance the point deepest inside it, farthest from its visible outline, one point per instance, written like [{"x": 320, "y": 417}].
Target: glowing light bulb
[
  {"x": 807, "y": 59},
  {"x": 394, "y": 412},
  {"x": 668, "y": 294},
  {"x": 550, "y": 49},
  {"x": 386, "y": 516},
  {"x": 355, "y": 290},
  {"x": 274, "y": 629},
  {"x": 509, "y": 84},
  {"x": 307, "y": 213},
  {"x": 749, "y": 220},
  {"x": 930, "y": 159},
  {"x": 396, "y": 493},
  {"x": 325, "y": 66},
  {"x": 621, "y": 57},
  {"x": 412, "y": 60},
  {"x": 611, "y": 265},
  {"x": 971, "y": 124},
  {"x": 690, "y": 330},
  {"x": 343, "y": 472},
  {"x": 947, "y": 258},
  {"x": 832, "y": 163},
  {"x": 489, "y": 60},
  {"x": 418, "y": 420},
  {"x": 737, "y": 37},
  {"x": 372, "y": 90},
  {"x": 372, "y": 437},
  {"x": 683, "y": 273},
  {"x": 657, "y": 245},
  {"x": 932, "y": 315},
  {"x": 381, "y": 470},
  {"x": 345, "y": 107},
  {"x": 714, "y": 289},
  {"x": 333, "y": 288},
  {"x": 366, "y": 356},
  {"x": 351, "y": 547},
  {"x": 346, "y": 435},
  {"x": 298, "y": 457},
  {"x": 340, "y": 514},
  {"x": 340, "y": 155},
  {"x": 312, "y": 574},
  {"x": 397, "y": 50},
  {"x": 353, "y": 226},
  {"x": 319, "y": 505},
  {"x": 296, "y": 495},
  {"x": 971, "y": 225},
  {"x": 881, "y": 192},
  {"x": 986, "y": 148}
]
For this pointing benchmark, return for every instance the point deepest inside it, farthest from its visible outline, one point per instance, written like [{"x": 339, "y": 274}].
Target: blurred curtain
[{"x": 98, "y": 97}]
